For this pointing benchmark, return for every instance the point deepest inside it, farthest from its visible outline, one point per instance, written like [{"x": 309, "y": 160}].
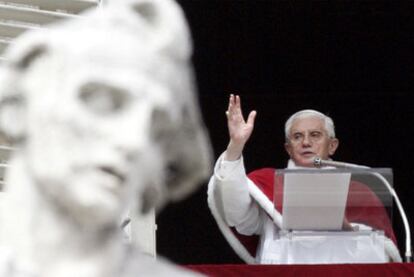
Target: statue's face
[
  {"x": 109, "y": 119},
  {"x": 89, "y": 143}
]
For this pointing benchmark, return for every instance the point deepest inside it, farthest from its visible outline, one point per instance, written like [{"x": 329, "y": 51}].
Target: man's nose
[{"x": 306, "y": 141}]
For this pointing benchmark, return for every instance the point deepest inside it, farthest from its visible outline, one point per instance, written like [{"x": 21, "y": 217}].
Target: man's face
[{"x": 307, "y": 139}]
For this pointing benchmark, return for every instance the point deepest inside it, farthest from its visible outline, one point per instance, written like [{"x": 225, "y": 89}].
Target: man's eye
[
  {"x": 103, "y": 99},
  {"x": 316, "y": 134},
  {"x": 297, "y": 136}
]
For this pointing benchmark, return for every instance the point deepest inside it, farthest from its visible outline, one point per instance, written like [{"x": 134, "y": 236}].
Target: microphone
[{"x": 318, "y": 162}]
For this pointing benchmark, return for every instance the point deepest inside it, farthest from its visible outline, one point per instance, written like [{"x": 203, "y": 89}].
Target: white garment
[{"x": 231, "y": 199}]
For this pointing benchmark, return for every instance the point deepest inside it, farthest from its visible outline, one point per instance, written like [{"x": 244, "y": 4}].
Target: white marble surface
[{"x": 105, "y": 118}]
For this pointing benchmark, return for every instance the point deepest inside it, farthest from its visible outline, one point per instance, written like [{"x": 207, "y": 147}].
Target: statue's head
[{"x": 103, "y": 110}]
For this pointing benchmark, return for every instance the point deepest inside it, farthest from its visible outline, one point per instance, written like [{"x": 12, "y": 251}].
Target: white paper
[{"x": 315, "y": 201}]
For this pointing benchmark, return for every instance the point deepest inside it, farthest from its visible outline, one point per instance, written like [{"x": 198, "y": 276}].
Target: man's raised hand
[{"x": 239, "y": 129}]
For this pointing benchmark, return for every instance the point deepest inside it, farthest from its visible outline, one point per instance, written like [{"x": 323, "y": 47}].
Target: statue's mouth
[{"x": 114, "y": 172}]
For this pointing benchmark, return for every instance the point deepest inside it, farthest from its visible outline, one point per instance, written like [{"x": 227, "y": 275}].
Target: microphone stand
[{"x": 408, "y": 255}]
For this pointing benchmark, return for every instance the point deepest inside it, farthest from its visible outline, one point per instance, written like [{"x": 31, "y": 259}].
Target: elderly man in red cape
[{"x": 243, "y": 204}]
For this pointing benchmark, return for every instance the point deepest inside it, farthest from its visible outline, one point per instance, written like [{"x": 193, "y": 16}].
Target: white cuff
[{"x": 224, "y": 168}]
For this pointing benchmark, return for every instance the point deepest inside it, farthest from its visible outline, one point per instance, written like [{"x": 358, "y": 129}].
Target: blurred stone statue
[{"x": 104, "y": 115}]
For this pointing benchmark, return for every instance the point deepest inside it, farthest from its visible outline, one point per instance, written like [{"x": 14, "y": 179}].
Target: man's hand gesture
[{"x": 239, "y": 129}]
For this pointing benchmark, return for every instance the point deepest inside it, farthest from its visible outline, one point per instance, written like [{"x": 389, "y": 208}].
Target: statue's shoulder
[
  {"x": 8, "y": 265},
  {"x": 139, "y": 264}
]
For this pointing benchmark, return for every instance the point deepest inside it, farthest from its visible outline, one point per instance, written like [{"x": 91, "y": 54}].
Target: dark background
[{"x": 351, "y": 60}]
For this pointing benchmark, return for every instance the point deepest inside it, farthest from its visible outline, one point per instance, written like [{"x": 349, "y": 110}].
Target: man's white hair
[{"x": 329, "y": 124}]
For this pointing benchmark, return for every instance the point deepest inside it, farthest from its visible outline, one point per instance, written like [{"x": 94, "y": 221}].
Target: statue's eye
[{"x": 103, "y": 98}]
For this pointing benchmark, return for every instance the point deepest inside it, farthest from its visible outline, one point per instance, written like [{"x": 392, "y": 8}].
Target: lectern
[{"x": 334, "y": 216}]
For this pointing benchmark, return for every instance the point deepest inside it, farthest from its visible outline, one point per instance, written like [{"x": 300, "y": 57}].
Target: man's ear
[
  {"x": 288, "y": 148},
  {"x": 333, "y": 145},
  {"x": 12, "y": 98}
]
